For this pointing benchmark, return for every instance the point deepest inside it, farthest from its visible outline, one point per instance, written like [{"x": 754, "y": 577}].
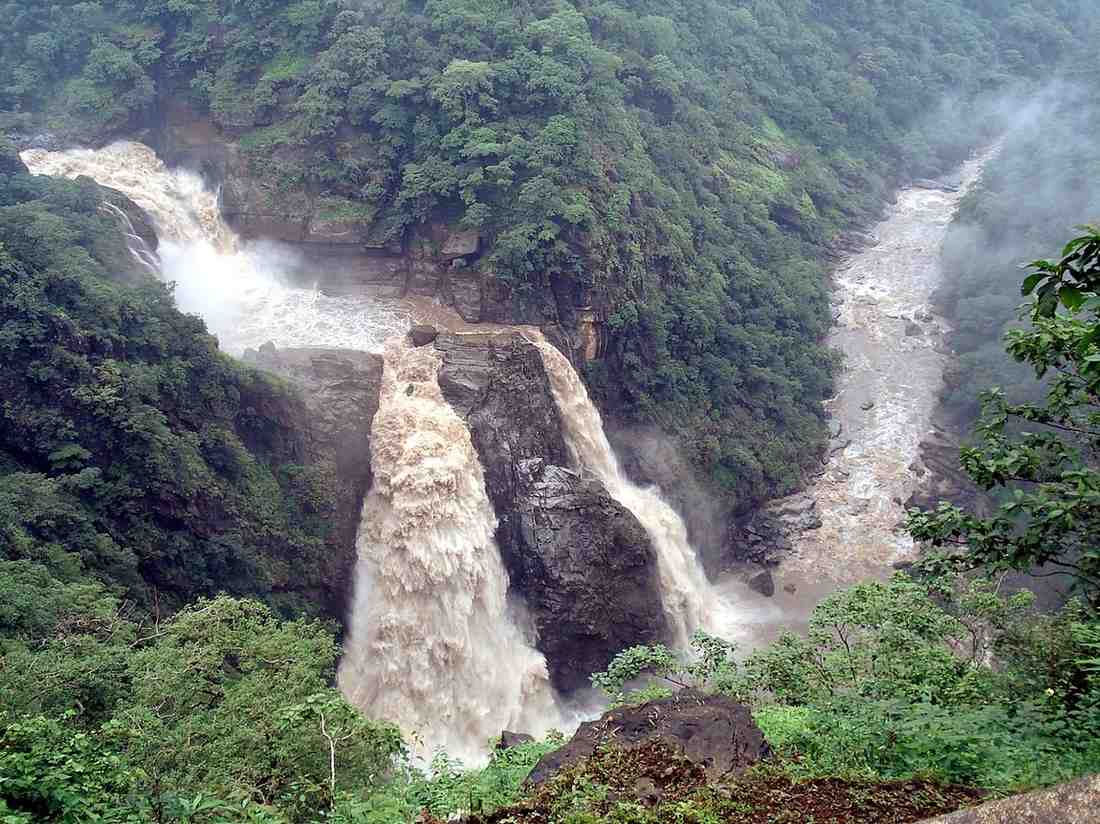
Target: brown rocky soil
[{"x": 664, "y": 782}]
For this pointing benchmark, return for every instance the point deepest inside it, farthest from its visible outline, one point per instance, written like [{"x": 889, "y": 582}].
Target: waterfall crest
[
  {"x": 241, "y": 290},
  {"x": 690, "y": 602},
  {"x": 431, "y": 644}
]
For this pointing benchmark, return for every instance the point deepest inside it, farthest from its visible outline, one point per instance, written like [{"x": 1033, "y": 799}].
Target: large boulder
[
  {"x": 772, "y": 531},
  {"x": 583, "y": 564},
  {"x": 712, "y": 731},
  {"x": 340, "y": 390},
  {"x": 1075, "y": 803},
  {"x": 586, "y": 569}
]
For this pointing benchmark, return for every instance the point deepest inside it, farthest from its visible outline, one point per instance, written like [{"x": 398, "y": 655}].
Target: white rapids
[
  {"x": 690, "y": 602},
  {"x": 895, "y": 359},
  {"x": 242, "y": 291},
  {"x": 431, "y": 644}
]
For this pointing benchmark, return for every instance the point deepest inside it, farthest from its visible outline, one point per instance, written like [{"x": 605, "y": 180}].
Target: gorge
[
  {"x": 440, "y": 539},
  {"x": 546, "y": 410}
]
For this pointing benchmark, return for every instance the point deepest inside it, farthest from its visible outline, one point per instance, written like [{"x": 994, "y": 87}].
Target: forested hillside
[
  {"x": 134, "y": 456},
  {"x": 683, "y": 165}
]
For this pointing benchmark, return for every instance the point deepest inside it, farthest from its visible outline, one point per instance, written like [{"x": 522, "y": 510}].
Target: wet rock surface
[
  {"x": 712, "y": 731},
  {"x": 509, "y": 739},
  {"x": 583, "y": 564},
  {"x": 772, "y": 531},
  {"x": 340, "y": 389},
  {"x": 422, "y": 335},
  {"x": 941, "y": 478},
  {"x": 586, "y": 569}
]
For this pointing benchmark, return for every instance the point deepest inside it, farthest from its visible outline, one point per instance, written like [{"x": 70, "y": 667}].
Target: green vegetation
[
  {"x": 681, "y": 164},
  {"x": 1039, "y": 457},
  {"x": 224, "y": 712},
  {"x": 893, "y": 681},
  {"x": 685, "y": 164},
  {"x": 132, "y": 453}
]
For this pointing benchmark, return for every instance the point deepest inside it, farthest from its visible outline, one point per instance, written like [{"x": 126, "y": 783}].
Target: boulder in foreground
[
  {"x": 713, "y": 731},
  {"x": 1077, "y": 802}
]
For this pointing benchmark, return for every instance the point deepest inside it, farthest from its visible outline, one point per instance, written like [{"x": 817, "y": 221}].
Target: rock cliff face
[
  {"x": 340, "y": 393},
  {"x": 350, "y": 250},
  {"x": 582, "y": 562}
]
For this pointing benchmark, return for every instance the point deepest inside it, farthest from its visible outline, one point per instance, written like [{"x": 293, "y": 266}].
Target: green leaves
[
  {"x": 1070, "y": 280},
  {"x": 1037, "y": 453}
]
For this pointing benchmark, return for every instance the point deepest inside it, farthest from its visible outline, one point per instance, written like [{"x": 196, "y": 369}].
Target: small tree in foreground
[{"x": 1041, "y": 458}]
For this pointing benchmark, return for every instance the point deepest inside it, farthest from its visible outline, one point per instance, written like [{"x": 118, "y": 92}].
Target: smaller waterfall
[
  {"x": 431, "y": 645},
  {"x": 689, "y": 600},
  {"x": 242, "y": 291},
  {"x": 136, "y": 244}
]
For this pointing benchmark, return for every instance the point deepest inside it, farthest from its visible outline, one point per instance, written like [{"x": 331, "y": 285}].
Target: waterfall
[
  {"x": 244, "y": 292},
  {"x": 138, "y": 248},
  {"x": 431, "y": 644},
  {"x": 690, "y": 602}
]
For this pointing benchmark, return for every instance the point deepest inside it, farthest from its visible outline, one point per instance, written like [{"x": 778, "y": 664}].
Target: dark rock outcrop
[
  {"x": 423, "y": 335},
  {"x": 713, "y": 731},
  {"x": 510, "y": 739},
  {"x": 582, "y": 562},
  {"x": 769, "y": 532},
  {"x": 764, "y": 583},
  {"x": 849, "y": 243},
  {"x": 340, "y": 390},
  {"x": 140, "y": 221},
  {"x": 586, "y": 568}
]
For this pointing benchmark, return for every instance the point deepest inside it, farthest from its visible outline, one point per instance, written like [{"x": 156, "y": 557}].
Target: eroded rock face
[
  {"x": 351, "y": 245},
  {"x": 586, "y": 569},
  {"x": 340, "y": 390},
  {"x": 581, "y": 561},
  {"x": 713, "y": 731},
  {"x": 770, "y": 532}
]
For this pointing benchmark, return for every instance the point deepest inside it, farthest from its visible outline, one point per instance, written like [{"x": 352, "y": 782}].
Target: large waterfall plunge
[
  {"x": 243, "y": 292},
  {"x": 690, "y": 602},
  {"x": 431, "y": 644},
  {"x": 432, "y": 641}
]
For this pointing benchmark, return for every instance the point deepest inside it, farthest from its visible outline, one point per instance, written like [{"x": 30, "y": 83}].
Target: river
[{"x": 895, "y": 351}]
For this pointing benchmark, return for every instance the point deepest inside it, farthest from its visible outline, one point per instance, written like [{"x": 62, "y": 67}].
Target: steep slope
[
  {"x": 130, "y": 448},
  {"x": 669, "y": 174}
]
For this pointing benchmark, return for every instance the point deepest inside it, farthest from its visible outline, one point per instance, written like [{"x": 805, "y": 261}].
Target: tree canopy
[{"x": 681, "y": 165}]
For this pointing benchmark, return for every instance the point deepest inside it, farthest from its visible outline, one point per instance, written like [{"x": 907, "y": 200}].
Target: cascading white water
[
  {"x": 895, "y": 358},
  {"x": 690, "y": 602},
  {"x": 240, "y": 290},
  {"x": 431, "y": 643}
]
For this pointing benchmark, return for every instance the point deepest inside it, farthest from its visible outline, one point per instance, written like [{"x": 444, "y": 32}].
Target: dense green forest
[
  {"x": 224, "y": 711},
  {"x": 689, "y": 163},
  {"x": 684, "y": 162},
  {"x": 133, "y": 454}
]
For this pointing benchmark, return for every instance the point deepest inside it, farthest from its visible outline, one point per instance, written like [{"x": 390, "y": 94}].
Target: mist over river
[{"x": 895, "y": 356}]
